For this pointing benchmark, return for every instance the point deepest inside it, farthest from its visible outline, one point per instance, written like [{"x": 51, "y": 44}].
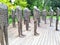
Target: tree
[{"x": 22, "y": 3}]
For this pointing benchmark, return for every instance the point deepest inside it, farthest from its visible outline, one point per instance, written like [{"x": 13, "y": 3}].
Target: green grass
[
  {"x": 53, "y": 17},
  {"x": 10, "y": 19}
]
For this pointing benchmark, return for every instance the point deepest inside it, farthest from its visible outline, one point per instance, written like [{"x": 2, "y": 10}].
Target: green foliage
[
  {"x": 54, "y": 4},
  {"x": 41, "y": 4},
  {"x": 22, "y": 3}
]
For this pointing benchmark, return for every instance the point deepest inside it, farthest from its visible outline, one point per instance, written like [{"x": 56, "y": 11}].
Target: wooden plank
[{"x": 47, "y": 36}]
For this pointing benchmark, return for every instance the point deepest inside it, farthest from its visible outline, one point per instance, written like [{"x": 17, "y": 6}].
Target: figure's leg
[
  {"x": 29, "y": 19},
  {"x": 35, "y": 28},
  {"x": 19, "y": 28},
  {"x": 24, "y": 20},
  {"x": 1, "y": 37},
  {"x": 2, "y": 41},
  {"x": 6, "y": 35},
  {"x": 38, "y": 22},
  {"x": 27, "y": 25},
  {"x": 57, "y": 24},
  {"x": 14, "y": 22},
  {"x": 51, "y": 20},
  {"x": 45, "y": 19}
]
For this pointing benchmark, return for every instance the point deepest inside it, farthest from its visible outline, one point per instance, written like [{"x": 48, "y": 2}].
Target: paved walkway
[{"x": 47, "y": 35}]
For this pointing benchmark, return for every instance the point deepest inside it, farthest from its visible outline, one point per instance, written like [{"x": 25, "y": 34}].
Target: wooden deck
[{"x": 47, "y": 35}]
